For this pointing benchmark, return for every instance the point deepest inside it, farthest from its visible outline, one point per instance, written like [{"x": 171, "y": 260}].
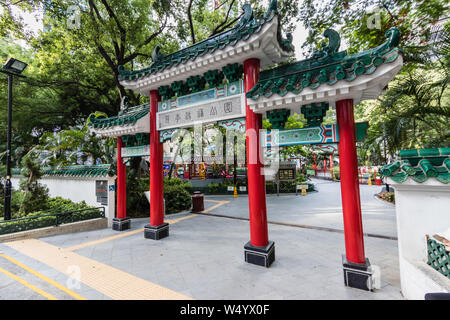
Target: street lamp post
[{"x": 12, "y": 67}]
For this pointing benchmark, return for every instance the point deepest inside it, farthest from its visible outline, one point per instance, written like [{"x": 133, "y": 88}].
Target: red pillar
[
  {"x": 348, "y": 163},
  {"x": 256, "y": 180},
  {"x": 315, "y": 165},
  {"x": 156, "y": 166},
  {"x": 331, "y": 167},
  {"x": 121, "y": 183}
]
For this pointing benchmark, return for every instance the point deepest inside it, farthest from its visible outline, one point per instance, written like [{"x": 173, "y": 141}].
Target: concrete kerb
[{"x": 79, "y": 226}]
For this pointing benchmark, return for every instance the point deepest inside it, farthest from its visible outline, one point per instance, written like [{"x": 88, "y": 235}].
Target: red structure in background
[
  {"x": 121, "y": 183},
  {"x": 121, "y": 222}
]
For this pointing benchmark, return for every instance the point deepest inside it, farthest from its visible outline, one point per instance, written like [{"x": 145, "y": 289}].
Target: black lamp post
[{"x": 12, "y": 67}]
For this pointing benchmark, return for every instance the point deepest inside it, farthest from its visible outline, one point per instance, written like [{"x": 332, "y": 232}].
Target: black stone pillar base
[
  {"x": 121, "y": 224},
  {"x": 356, "y": 275},
  {"x": 156, "y": 232},
  {"x": 261, "y": 256}
]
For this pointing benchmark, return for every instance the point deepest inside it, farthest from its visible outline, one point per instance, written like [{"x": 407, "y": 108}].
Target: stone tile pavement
[
  {"x": 320, "y": 209},
  {"x": 203, "y": 258}
]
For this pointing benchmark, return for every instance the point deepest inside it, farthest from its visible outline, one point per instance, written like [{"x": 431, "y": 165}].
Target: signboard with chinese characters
[
  {"x": 287, "y": 171},
  {"x": 208, "y": 106}
]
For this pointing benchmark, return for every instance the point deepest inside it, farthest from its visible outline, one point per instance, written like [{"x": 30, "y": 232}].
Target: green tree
[
  {"x": 414, "y": 111},
  {"x": 75, "y": 145},
  {"x": 35, "y": 195}
]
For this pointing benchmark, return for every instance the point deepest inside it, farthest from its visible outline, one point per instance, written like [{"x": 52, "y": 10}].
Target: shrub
[
  {"x": 230, "y": 182},
  {"x": 177, "y": 198},
  {"x": 26, "y": 224},
  {"x": 35, "y": 195},
  {"x": 137, "y": 202},
  {"x": 178, "y": 182},
  {"x": 213, "y": 188},
  {"x": 336, "y": 173},
  {"x": 301, "y": 178},
  {"x": 35, "y": 221},
  {"x": 35, "y": 199},
  {"x": 58, "y": 204}
]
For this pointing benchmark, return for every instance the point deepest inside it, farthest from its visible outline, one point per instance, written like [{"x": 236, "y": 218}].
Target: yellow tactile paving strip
[
  {"x": 219, "y": 203},
  {"x": 28, "y": 285},
  {"x": 41, "y": 276},
  {"x": 124, "y": 234},
  {"x": 112, "y": 282},
  {"x": 130, "y": 233},
  {"x": 87, "y": 244}
]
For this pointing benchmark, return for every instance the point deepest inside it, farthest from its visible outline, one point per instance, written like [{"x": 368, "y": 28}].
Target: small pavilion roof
[
  {"x": 420, "y": 165},
  {"x": 130, "y": 120},
  {"x": 328, "y": 76},
  {"x": 76, "y": 171},
  {"x": 249, "y": 38}
]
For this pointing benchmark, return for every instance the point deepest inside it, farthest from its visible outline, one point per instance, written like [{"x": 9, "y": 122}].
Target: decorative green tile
[
  {"x": 325, "y": 66},
  {"x": 420, "y": 165},
  {"x": 126, "y": 117}
]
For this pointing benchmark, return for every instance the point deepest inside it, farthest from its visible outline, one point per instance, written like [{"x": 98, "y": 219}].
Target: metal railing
[{"x": 50, "y": 219}]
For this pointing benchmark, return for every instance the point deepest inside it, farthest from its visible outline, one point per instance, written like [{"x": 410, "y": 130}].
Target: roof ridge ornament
[
  {"x": 273, "y": 8},
  {"x": 124, "y": 105},
  {"x": 334, "y": 42},
  {"x": 393, "y": 40},
  {"x": 122, "y": 71},
  {"x": 247, "y": 16},
  {"x": 156, "y": 54},
  {"x": 247, "y": 25},
  {"x": 326, "y": 66}
]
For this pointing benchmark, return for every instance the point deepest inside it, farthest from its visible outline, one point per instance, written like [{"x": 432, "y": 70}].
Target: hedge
[{"x": 37, "y": 221}]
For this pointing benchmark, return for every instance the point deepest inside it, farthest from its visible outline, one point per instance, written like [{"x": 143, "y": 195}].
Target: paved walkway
[
  {"x": 201, "y": 259},
  {"x": 322, "y": 209}
]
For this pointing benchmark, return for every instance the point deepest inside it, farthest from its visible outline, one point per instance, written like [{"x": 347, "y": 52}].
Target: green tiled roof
[
  {"x": 126, "y": 117},
  {"x": 420, "y": 165},
  {"x": 325, "y": 66},
  {"x": 101, "y": 170},
  {"x": 244, "y": 28}
]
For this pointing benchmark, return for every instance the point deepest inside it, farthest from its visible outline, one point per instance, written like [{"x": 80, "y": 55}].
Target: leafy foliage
[
  {"x": 75, "y": 145},
  {"x": 177, "y": 194},
  {"x": 42, "y": 220},
  {"x": 35, "y": 194},
  {"x": 414, "y": 111}
]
